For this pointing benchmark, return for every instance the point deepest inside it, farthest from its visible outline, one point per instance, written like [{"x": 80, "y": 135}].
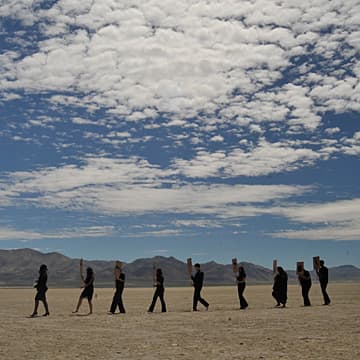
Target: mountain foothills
[{"x": 19, "y": 268}]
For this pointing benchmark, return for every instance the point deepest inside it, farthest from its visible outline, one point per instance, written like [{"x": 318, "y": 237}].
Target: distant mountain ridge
[{"x": 19, "y": 268}]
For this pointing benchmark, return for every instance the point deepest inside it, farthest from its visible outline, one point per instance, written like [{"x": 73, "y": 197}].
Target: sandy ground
[{"x": 224, "y": 332}]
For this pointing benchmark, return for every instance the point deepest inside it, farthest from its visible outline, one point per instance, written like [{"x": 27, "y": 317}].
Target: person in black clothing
[
  {"x": 323, "y": 275},
  {"x": 88, "y": 292},
  {"x": 305, "y": 282},
  {"x": 159, "y": 292},
  {"x": 198, "y": 280},
  {"x": 280, "y": 287},
  {"x": 241, "y": 284},
  {"x": 41, "y": 288},
  {"x": 119, "y": 284}
]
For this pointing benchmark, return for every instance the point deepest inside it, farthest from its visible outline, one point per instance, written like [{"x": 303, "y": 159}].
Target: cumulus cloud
[
  {"x": 263, "y": 159},
  {"x": 244, "y": 87},
  {"x": 191, "y": 60}
]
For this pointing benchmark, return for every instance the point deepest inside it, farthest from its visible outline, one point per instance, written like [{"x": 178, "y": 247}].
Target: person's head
[
  {"x": 322, "y": 262},
  {"x": 89, "y": 272},
  {"x": 197, "y": 267},
  {"x": 43, "y": 268},
  {"x": 241, "y": 269},
  {"x": 280, "y": 270},
  {"x": 158, "y": 272},
  {"x": 118, "y": 264}
]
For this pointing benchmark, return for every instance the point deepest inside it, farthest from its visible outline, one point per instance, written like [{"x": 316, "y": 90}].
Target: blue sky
[{"x": 197, "y": 129}]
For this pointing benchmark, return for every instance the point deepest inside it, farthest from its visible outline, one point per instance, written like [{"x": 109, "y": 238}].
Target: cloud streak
[{"x": 27, "y": 235}]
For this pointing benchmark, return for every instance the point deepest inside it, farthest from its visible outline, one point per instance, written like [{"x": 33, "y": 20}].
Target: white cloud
[
  {"x": 192, "y": 60},
  {"x": 263, "y": 159},
  {"x": 133, "y": 185},
  {"x": 158, "y": 233},
  {"x": 217, "y": 138},
  {"x": 201, "y": 223},
  {"x": 25, "y": 235},
  {"x": 348, "y": 231},
  {"x": 253, "y": 70},
  {"x": 81, "y": 121},
  {"x": 332, "y": 131},
  {"x": 338, "y": 220}
]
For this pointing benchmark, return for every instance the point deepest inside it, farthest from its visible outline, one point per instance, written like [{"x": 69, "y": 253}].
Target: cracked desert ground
[{"x": 224, "y": 332}]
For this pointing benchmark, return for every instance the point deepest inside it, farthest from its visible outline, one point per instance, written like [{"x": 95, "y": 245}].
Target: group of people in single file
[{"x": 279, "y": 288}]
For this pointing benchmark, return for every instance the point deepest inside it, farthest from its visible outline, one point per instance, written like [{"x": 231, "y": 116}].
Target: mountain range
[{"x": 20, "y": 268}]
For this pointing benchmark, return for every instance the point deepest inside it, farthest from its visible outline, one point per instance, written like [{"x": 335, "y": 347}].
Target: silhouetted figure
[
  {"x": 198, "y": 280},
  {"x": 159, "y": 292},
  {"x": 280, "y": 287},
  {"x": 241, "y": 284},
  {"x": 41, "y": 287},
  {"x": 88, "y": 292},
  {"x": 323, "y": 275},
  {"x": 119, "y": 285},
  {"x": 305, "y": 282}
]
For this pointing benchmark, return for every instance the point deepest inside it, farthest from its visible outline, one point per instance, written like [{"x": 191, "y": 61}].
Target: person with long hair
[
  {"x": 305, "y": 283},
  {"x": 88, "y": 290},
  {"x": 159, "y": 292},
  {"x": 41, "y": 287},
  {"x": 119, "y": 286},
  {"x": 241, "y": 284},
  {"x": 280, "y": 287}
]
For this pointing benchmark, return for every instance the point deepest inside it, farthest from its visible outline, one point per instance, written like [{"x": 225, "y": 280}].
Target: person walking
[
  {"x": 280, "y": 287},
  {"x": 41, "y": 287},
  {"x": 305, "y": 283},
  {"x": 159, "y": 292},
  {"x": 88, "y": 292},
  {"x": 198, "y": 281},
  {"x": 119, "y": 286},
  {"x": 241, "y": 284},
  {"x": 323, "y": 275}
]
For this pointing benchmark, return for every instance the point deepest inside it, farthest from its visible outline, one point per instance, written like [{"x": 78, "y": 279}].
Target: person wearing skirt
[
  {"x": 41, "y": 287},
  {"x": 88, "y": 291}
]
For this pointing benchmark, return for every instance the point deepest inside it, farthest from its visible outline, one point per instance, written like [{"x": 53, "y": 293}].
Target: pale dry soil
[{"x": 224, "y": 332}]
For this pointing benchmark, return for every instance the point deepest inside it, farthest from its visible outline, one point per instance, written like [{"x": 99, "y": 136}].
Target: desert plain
[{"x": 224, "y": 332}]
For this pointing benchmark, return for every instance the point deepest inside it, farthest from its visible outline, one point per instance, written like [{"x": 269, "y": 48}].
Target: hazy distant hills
[{"x": 20, "y": 268}]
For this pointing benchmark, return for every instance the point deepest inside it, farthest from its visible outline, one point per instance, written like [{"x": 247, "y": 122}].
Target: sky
[{"x": 203, "y": 129}]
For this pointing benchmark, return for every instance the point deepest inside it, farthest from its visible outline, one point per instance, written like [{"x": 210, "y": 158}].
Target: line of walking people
[{"x": 279, "y": 288}]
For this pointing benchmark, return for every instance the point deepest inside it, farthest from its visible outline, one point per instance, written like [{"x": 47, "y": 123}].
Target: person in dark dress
[
  {"x": 41, "y": 287},
  {"x": 305, "y": 283},
  {"x": 119, "y": 285},
  {"x": 241, "y": 284},
  {"x": 88, "y": 292},
  {"x": 280, "y": 287},
  {"x": 198, "y": 280},
  {"x": 159, "y": 292},
  {"x": 323, "y": 275}
]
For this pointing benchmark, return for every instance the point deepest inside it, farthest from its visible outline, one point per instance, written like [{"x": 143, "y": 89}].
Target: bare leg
[
  {"x": 78, "y": 305},
  {"x": 46, "y": 308},
  {"x": 90, "y": 307}
]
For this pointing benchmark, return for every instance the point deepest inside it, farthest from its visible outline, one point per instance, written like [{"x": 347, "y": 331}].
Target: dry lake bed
[{"x": 224, "y": 332}]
